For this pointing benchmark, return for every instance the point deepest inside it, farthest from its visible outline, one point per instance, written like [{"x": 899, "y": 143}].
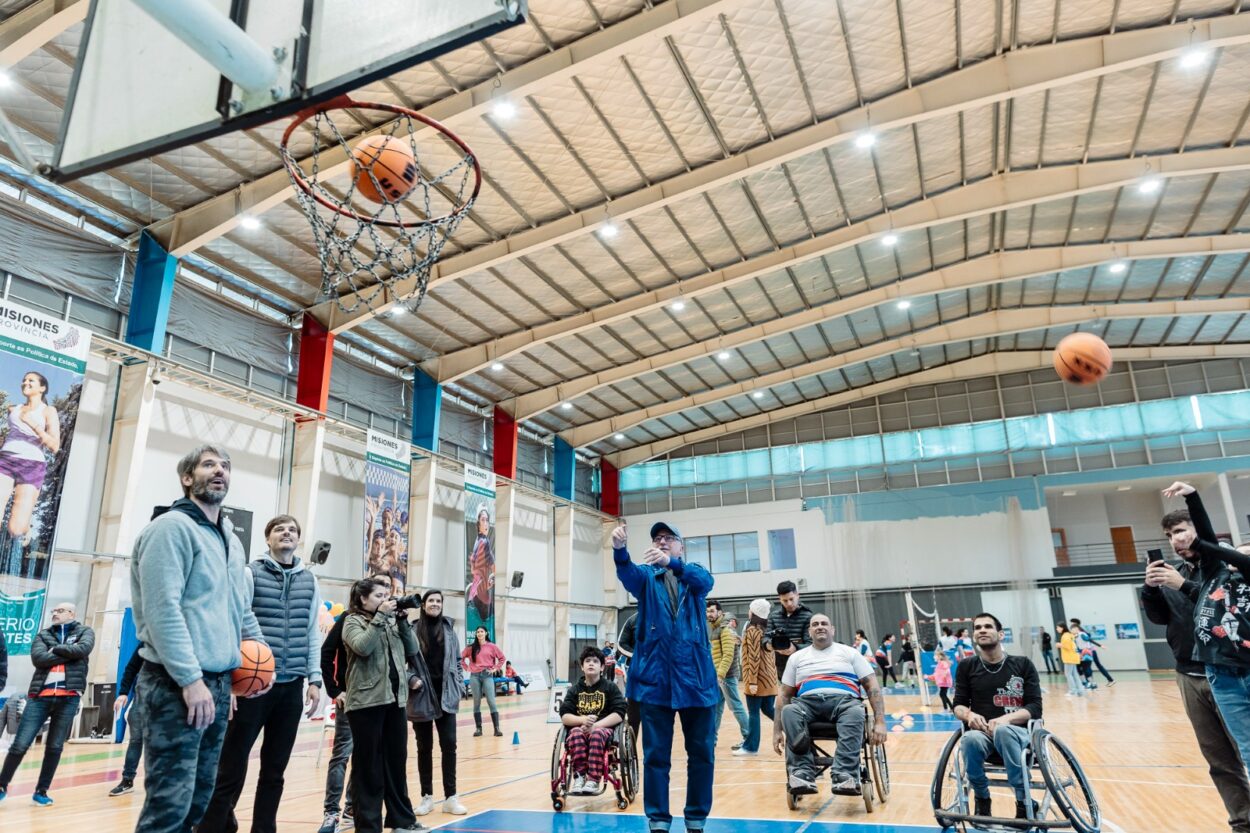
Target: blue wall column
[
  {"x": 566, "y": 469},
  {"x": 427, "y": 408},
  {"x": 151, "y": 295}
]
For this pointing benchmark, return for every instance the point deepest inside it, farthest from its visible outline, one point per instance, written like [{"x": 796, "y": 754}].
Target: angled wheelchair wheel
[
  {"x": 792, "y": 800},
  {"x": 949, "y": 792},
  {"x": 559, "y": 781},
  {"x": 865, "y": 788},
  {"x": 880, "y": 767},
  {"x": 1067, "y": 782},
  {"x": 627, "y": 757}
]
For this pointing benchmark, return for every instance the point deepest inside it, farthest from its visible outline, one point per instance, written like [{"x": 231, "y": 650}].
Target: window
[
  {"x": 746, "y": 552},
  {"x": 696, "y": 552},
  {"x": 722, "y": 547},
  {"x": 583, "y": 632},
  {"x": 781, "y": 554}
]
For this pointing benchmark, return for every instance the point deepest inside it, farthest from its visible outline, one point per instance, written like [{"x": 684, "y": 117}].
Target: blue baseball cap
[{"x": 657, "y": 528}]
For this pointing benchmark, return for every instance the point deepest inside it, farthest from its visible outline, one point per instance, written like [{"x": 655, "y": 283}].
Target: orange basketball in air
[
  {"x": 1082, "y": 359},
  {"x": 255, "y": 670},
  {"x": 392, "y": 164}
]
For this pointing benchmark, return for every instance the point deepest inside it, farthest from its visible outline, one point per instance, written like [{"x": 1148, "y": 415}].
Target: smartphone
[{"x": 1154, "y": 556}]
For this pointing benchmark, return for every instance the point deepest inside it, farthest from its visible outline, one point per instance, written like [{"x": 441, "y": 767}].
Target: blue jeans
[
  {"x": 729, "y": 694},
  {"x": 657, "y": 759},
  {"x": 61, "y": 711},
  {"x": 134, "y": 750},
  {"x": 1231, "y": 689},
  {"x": 754, "y": 706},
  {"x": 1010, "y": 742}
]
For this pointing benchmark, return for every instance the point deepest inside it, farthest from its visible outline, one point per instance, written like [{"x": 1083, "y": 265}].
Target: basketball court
[{"x": 918, "y": 306}]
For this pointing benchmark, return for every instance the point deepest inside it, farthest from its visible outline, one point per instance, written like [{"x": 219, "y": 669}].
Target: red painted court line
[{"x": 86, "y": 779}]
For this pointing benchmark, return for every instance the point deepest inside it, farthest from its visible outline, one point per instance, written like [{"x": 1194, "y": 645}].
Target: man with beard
[
  {"x": 191, "y": 598},
  {"x": 1168, "y": 597},
  {"x": 996, "y": 696}
]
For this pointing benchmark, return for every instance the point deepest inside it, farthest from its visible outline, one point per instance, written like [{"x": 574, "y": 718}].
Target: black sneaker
[
  {"x": 127, "y": 785},
  {"x": 329, "y": 824},
  {"x": 1022, "y": 811},
  {"x": 801, "y": 785},
  {"x": 983, "y": 807}
]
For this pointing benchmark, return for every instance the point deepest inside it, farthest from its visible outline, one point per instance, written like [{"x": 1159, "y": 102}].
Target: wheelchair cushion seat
[{"x": 822, "y": 731}]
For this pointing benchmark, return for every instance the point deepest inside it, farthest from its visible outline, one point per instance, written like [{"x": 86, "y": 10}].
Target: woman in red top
[{"x": 483, "y": 659}]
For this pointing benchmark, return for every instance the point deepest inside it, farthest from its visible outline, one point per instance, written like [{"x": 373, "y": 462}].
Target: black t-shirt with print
[
  {"x": 601, "y": 699},
  {"x": 993, "y": 690}
]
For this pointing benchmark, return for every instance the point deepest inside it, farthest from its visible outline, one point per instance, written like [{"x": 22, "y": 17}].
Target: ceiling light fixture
[
  {"x": 398, "y": 309},
  {"x": 865, "y": 140},
  {"x": 608, "y": 230},
  {"x": 620, "y": 436},
  {"x": 1123, "y": 488},
  {"x": 1150, "y": 184},
  {"x": 904, "y": 304},
  {"x": 723, "y": 355},
  {"x": 5, "y": 79},
  {"x": 677, "y": 306},
  {"x": 496, "y": 367},
  {"x": 759, "y": 394},
  {"x": 568, "y": 406},
  {"x": 1070, "y": 493},
  {"x": 503, "y": 109},
  {"x": 249, "y": 222},
  {"x": 889, "y": 240},
  {"x": 1118, "y": 267},
  {"x": 1194, "y": 57}
]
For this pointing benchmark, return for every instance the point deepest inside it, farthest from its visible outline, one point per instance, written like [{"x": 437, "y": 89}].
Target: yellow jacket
[
  {"x": 1067, "y": 650},
  {"x": 724, "y": 642}
]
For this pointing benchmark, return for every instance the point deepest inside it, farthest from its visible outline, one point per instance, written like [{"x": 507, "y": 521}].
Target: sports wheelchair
[
  {"x": 1067, "y": 800},
  {"x": 621, "y": 768},
  {"x": 874, "y": 767}
]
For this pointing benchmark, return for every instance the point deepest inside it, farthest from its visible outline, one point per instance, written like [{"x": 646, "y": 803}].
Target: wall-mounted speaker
[
  {"x": 320, "y": 553},
  {"x": 517, "y": 578}
]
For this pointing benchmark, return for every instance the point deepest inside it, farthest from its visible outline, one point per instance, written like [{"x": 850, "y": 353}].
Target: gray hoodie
[{"x": 191, "y": 594}]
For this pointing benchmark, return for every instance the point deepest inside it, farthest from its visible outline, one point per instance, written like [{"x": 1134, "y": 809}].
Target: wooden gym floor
[{"x": 1133, "y": 740}]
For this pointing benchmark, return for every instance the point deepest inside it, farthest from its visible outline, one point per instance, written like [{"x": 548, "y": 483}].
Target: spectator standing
[
  {"x": 883, "y": 659},
  {"x": 59, "y": 653},
  {"x": 759, "y": 676},
  {"x": 1167, "y": 596},
  {"x": 434, "y": 704},
  {"x": 726, "y": 656},
  {"x": 788, "y": 625},
  {"x": 286, "y": 601},
  {"x": 941, "y": 677},
  {"x": 483, "y": 660},
  {"x": 672, "y": 674},
  {"x": 1088, "y": 642},
  {"x": 334, "y": 676},
  {"x": 134, "y": 749},
  {"x": 907, "y": 658},
  {"x": 1071, "y": 659},
  {"x": 946, "y": 642},
  {"x": 1048, "y": 654}
]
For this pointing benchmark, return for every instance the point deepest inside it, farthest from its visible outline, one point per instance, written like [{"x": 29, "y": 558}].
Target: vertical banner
[
  {"x": 388, "y": 464},
  {"x": 42, "y": 362},
  {"x": 479, "y": 538}
]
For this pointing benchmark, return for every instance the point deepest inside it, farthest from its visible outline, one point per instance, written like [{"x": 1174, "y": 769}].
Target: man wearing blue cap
[{"x": 671, "y": 673}]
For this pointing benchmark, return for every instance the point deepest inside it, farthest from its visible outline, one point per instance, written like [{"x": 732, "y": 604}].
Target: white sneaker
[
  {"x": 592, "y": 788},
  {"x": 452, "y": 805},
  {"x": 426, "y": 806},
  {"x": 578, "y": 787},
  {"x": 741, "y": 751}
]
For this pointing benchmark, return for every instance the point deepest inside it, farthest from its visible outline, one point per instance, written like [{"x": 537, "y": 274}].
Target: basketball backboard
[{"x": 140, "y": 89}]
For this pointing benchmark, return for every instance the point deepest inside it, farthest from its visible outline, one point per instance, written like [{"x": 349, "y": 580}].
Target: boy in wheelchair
[
  {"x": 996, "y": 696},
  {"x": 822, "y": 684},
  {"x": 591, "y": 709}
]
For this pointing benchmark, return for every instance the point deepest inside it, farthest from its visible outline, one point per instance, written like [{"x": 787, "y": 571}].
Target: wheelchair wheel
[
  {"x": 950, "y": 792},
  {"x": 628, "y": 760},
  {"x": 1067, "y": 782},
  {"x": 792, "y": 800},
  {"x": 880, "y": 768},
  {"x": 559, "y": 784},
  {"x": 866, "y": 788}
]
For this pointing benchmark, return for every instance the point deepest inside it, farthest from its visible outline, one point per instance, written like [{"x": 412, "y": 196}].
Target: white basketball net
[{"x": 372, "y": 247}]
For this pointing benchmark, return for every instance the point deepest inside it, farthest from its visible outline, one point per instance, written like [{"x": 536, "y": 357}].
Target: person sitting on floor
[{"x": 591, "y": 709}]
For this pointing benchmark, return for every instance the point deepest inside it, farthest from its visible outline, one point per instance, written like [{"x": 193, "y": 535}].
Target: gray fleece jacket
[{"x": 190, "y": 593}]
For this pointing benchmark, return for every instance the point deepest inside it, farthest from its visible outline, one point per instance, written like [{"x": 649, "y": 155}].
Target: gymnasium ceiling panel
[{"x": 725, "y": 85}]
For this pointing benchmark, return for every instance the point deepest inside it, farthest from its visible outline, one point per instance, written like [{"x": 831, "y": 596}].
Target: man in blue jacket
[{"x": 671, "y": 673}]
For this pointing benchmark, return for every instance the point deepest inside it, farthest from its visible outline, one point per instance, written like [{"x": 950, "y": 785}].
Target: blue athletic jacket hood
[{"x": 672, "y": 662}]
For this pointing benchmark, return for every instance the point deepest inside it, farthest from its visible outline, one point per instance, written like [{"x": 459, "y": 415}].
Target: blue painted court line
[
  {"x": 538, "y": 821},
  {"x": 922, "y": 722}
]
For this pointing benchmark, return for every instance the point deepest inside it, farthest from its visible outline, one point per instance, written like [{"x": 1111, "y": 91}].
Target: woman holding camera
[
  {"x": 377, "y": 643},
  {"x": 759, "y": 676},
  {"x": 434, "y": 703}
]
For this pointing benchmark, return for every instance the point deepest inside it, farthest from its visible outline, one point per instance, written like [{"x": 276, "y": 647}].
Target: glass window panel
[
  {"x": 903, "y": 447},
  {"x": 681, "y": 472},
  {"x": 1097, "y": 424},
  {"x": 746, "y": 552},
  {"x": 1224, "y": 410},
  {"x": 1027, "y": 432},
  {"x": 1168, "y": 416},
  {"x": 696, "y": 551},
  {"x": 722, "y": 547},
  {"x": 781, "y": 549},
  {"x": 787, "y": 459}
]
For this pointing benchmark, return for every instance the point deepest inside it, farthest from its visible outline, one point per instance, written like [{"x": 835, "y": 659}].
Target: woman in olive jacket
[
  {"x": 377, "y": 643},
  {"x": 435, "y": 664}
]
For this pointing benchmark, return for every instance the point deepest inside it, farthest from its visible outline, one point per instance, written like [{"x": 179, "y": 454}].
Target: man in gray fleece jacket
[{"x": 191, "y": 600}]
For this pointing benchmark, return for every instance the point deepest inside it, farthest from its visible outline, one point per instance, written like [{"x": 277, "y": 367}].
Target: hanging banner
[
  {"x": 387, "y": 478},
  {"x": 479, "y": 536},
  {"x": 42, "y": 362}
]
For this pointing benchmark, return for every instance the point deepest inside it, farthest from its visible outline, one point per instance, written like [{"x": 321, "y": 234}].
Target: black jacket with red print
[{"x": 1222, "y": 610}]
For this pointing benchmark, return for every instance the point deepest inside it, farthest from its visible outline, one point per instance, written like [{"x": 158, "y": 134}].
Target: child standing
[{"x": 941, "y": 676}]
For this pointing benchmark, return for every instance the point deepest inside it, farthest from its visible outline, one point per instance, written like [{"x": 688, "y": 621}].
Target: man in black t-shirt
[{"x": 996, "y": 695}]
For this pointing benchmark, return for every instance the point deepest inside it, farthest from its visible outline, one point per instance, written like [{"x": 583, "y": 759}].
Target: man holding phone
[
  {"x": 788, "y": 625},
  {"x": 1168, "y": 597}
]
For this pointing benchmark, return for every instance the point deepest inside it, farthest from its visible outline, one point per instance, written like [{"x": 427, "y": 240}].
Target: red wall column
[
  {"x": 505, "y": 444},
  {"x": 316, "y": 356},
  {"x": 609, "y": 488}
]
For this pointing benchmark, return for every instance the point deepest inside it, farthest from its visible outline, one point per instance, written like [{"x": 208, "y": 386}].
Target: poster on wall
[
  {"x": 1098, "y": 633},
  {"x": 1127, "y": 630},
  {"x": 42, "y": 363},
  {"x": 241, "y": 520},
  {"x": 479, "y": 537},
  {"x": 387, "y": 469}
]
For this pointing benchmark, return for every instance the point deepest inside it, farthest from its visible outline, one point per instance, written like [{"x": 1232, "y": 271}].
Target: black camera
[
  {"x": 777, "y": 637},
  {"x": 407, "y": 603}
]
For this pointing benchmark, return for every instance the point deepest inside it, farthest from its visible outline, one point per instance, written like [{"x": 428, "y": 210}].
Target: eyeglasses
[
  {"x": 661, "y": 539},
  {"x": 62, "y": 610}
]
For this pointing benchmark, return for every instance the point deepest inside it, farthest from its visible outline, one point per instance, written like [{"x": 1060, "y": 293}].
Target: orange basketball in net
[
  {"x": 1082, "y": 359},
  {"x": 393, "y": 165},
  {"x": 255, "y": 670}
]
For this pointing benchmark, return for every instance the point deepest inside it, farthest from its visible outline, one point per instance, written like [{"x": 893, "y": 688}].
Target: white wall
[
  {"x": 1108, "y": 605},
  {"x": 1140, "y": 509},
  {"x": 340, "y": 518},
  {"x": 1024, "y": 611},
  {"x": 1083, "y": 518}
]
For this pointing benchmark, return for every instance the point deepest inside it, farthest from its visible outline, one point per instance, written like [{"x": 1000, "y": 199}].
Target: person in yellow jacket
[
  {"x": 727, "y": 658},
  {"x": 759, "y": 675},
  {"x": 1071, "y": 659}
]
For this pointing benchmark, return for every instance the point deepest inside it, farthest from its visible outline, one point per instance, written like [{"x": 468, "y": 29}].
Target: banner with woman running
[
  {"x": 387, "y": 484},
  {"x": 42, "y": 362},
  {"x": 479, "y": 537}
]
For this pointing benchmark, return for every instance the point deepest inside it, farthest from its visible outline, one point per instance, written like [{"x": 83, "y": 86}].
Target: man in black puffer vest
[{"x": 286, "y": 602}]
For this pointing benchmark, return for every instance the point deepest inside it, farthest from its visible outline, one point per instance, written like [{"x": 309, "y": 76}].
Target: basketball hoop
[{"x": 367, "y": 247}]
